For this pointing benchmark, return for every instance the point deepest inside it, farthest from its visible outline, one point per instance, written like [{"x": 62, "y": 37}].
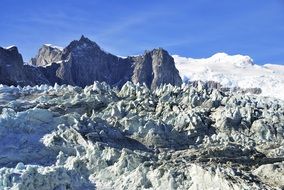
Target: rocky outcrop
[
  {"x": 14, "y": 72},
  {"x": 82, "y": 62},
  {"x": 47, "y": 54},
  {"x": 34, "y": 76},
  {"x": 11, "y": 64},
  {"x": 155, "y": 68}
]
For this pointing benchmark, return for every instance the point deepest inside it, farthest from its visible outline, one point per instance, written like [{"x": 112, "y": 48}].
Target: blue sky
[{"x": 192, "y": 28}]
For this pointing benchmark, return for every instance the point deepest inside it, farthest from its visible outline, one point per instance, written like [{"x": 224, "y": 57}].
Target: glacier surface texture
[{"x": 98, "y": 137}]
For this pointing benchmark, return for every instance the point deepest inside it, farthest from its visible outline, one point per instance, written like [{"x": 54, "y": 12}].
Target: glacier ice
[
  {"x": 234, "y": 71},
  {"x": 98, "y": 137}
]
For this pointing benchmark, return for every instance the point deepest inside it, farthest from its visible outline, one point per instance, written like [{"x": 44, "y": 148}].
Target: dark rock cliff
[
  {"x": 82, "y": 62},
  {"x": 14, "y": 72},
  {"x": 155, "y": 68}
]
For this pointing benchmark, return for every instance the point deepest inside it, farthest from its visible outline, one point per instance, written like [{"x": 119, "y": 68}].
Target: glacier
[
  {"x": 190, "y": 137},
  {"x": 234, "y": 71}
]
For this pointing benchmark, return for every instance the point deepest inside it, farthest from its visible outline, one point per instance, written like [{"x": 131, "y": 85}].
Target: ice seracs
[
  {"x": 190, "y": 137},
  {"x": 138, "y": 127}
]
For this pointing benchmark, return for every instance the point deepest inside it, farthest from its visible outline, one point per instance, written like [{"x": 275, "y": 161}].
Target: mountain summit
[
  {"x": 14, "y": 72},
  {"x": 155, "y": 68},
  {"x": 82, "y": 62},
  {"x": 47, "y": 54}
]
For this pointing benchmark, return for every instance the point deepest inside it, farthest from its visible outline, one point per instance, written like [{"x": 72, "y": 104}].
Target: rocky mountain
[
  {"x": 82, "y": 62},
  {"x": 155, "y": 68},
  {"x": 14, "y": 72},
  {"x": 47, "y": 54}
]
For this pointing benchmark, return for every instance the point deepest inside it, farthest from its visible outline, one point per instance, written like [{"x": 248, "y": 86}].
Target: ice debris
[{"x": 98, "y": 137}]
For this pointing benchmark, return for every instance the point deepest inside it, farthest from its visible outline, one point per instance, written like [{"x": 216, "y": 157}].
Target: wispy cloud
[{"x": 131, "y": 20}]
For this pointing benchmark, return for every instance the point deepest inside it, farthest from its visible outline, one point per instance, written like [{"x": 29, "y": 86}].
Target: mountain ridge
[
  {"x": 14, "y": 72},
  {"x": 83, "y": 61}
]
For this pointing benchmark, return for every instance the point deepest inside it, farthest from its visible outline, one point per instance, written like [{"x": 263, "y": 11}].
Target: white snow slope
[{"x": 232, "y": 71}]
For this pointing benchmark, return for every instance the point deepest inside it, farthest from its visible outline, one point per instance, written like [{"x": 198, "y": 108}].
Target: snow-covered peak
[
  {"x": 237, "y": 60},
  {"x": 219, "y": 58},
  {"x": 10, "y": 47},
  {"x": 53, "y": 46},
  {"x": 232, "y": 71}
]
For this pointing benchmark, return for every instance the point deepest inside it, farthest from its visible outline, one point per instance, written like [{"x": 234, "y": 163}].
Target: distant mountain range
[{"x": 82, "y": 62}]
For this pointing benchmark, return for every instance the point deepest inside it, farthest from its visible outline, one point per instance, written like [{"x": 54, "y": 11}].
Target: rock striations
[
  {"x": 82, "y": 62},
  {"x": 155, "y": 68},
  {"x": 47, "y": 54}
]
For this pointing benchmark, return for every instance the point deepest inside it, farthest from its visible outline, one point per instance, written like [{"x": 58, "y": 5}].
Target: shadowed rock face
[
  {"x": 10, "y": 66},
  {"x": 155, "y": 68},
  {"x": 85, "y": 62},
  {"x": 14, "y": 72},
  {"x": 82, "y": 62}
]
